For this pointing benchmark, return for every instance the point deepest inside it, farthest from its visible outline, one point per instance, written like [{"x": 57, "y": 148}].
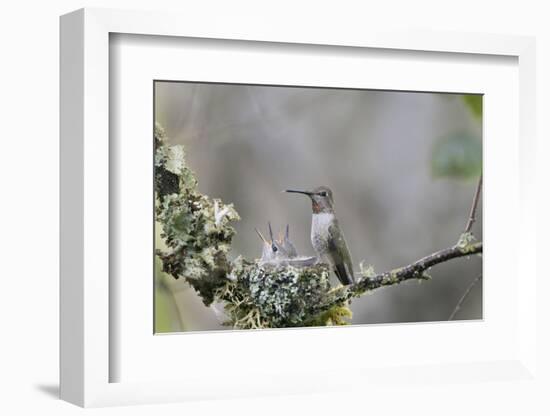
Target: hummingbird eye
[
  {"x": 323, "y": 193},
  {"x": 274, "y": 247}
]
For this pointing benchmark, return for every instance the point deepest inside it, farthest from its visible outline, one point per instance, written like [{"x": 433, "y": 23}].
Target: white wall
[{"x": 29, "y": 209}]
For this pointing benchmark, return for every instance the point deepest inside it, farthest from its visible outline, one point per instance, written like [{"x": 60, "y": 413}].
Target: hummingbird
[
  {"x": 281, "y": 251},
  {"x": 327, "y": 237},
  {"x": 276, "y": 250},
  {"x": 286, "y": 244},
  {"x": 267, "y": 248}
]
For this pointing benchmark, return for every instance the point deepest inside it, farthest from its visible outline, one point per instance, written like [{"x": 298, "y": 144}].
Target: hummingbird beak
[
  {"x": 273, "y": 246},
  {"x": 261, "y": 236},
  {"x": 292, "y": 191}
]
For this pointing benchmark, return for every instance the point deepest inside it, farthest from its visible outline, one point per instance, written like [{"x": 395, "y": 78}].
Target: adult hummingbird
[{"x": 327, "y": 237}]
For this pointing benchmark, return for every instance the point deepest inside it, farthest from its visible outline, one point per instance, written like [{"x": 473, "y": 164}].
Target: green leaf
[
  {"x": 457, "y": 156},
  {"x": 475, "y": 103}
]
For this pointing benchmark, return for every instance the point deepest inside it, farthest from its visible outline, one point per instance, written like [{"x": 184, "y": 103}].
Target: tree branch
[
  {"x": 472, "y": 217},
  {"x": 414, "y": 270}
]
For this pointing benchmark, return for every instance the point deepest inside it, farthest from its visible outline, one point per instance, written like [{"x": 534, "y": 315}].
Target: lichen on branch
[{"x": 196, "y": 229}]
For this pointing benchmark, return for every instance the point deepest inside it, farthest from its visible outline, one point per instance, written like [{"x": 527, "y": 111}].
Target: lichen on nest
[{"x": 261, "y": 296}]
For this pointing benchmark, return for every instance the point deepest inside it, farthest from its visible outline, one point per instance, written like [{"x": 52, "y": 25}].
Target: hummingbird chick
[
  {"x": 327, "y": 237},
  {"x": 281, "y": 251},
  {"x": 267, "y": 250},
  {"x": 286, "y": 244},
  {"x": 273, "y": 251}
]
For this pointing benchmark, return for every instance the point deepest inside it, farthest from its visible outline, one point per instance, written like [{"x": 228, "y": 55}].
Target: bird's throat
[{"x": 318, "y": 208}]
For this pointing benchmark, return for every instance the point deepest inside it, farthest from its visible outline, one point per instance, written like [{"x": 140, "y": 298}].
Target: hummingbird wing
[{"x": 340, "y": 255}]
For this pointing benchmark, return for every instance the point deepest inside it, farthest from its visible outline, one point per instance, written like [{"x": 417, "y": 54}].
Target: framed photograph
[
  {"x": 416, "y": 153},
  {"x": 243, "y": 213}
]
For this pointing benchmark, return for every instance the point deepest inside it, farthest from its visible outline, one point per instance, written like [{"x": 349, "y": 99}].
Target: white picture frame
[{"x": 87, "y": 356}]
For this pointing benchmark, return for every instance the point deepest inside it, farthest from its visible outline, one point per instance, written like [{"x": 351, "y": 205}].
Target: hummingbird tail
[{"x": 343, "y": 275}]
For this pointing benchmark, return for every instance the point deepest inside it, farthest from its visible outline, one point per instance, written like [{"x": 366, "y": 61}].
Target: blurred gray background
[{"x": 374, "y": 149}]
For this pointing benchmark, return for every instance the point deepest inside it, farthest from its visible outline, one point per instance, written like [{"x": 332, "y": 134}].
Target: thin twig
[
  {"x": 464, "y": 296},
  {"x": 472, "y": 217}
]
